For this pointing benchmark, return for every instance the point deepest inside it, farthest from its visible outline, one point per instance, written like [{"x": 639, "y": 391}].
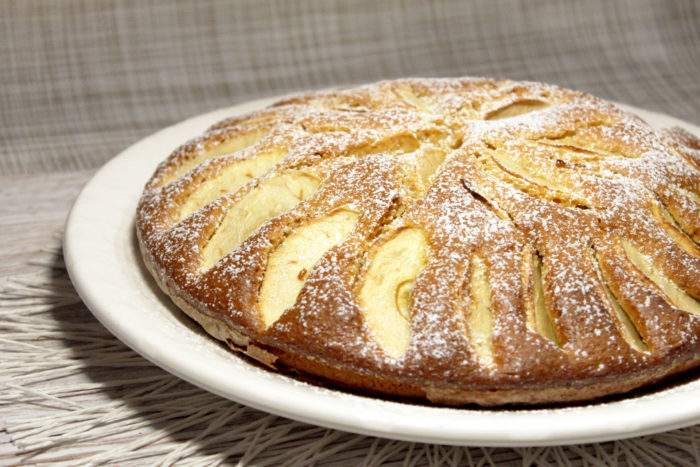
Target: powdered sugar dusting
[{"x": 498, "y": 170}]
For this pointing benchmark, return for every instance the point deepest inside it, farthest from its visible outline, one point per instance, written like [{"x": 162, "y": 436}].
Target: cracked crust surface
[{"x": 455, "y": 240}]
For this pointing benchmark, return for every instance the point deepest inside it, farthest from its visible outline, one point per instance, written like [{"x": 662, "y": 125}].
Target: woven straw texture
[{"x": 81, "y": 80}]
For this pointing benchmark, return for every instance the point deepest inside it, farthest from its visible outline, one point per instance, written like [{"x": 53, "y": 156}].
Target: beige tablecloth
[{"x": 81, "y": 80}]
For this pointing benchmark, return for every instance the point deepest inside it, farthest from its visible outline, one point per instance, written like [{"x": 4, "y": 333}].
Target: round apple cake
[{"x": 452, "y": 240}]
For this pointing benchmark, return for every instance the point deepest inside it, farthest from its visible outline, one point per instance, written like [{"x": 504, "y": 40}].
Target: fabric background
[{"x": 81, "y": 80}]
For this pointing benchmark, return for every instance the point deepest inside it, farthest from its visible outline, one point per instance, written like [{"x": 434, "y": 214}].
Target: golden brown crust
[{"x": 457, "y": 240}]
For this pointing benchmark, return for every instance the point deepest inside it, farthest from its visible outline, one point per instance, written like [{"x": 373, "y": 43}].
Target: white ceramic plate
[{"x": 103, "y": 261}]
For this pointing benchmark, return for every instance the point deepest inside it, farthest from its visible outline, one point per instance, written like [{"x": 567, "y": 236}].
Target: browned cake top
[{"x": 440, "y": 238}]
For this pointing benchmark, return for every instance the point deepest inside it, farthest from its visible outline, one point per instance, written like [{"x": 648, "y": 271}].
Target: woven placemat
[{"x": 83, "y": 79}]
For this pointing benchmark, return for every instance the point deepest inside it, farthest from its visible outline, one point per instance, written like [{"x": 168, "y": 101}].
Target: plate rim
[{"x": 330, "y": 407}]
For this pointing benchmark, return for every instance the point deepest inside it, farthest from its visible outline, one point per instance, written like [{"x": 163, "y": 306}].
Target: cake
[{"x": 451, "y": 241}]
